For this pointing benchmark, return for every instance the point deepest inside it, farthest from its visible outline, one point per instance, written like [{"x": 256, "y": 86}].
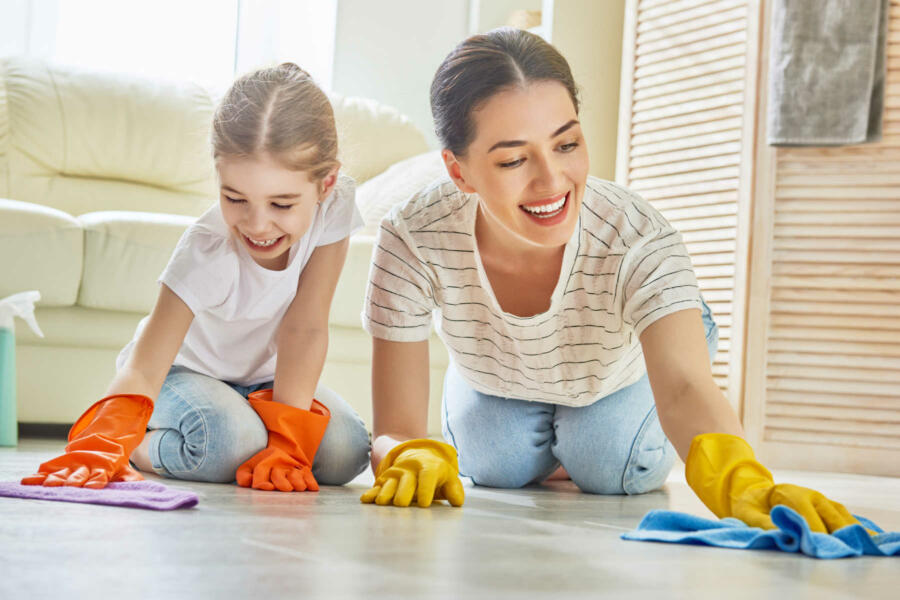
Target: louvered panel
[
  {"x": 688, "y": 154},
  {"x": 675, "y": 135},
  {"x": 685, "y": 123},
  {"x": 833, "y": 342},
  {"x": 656, "y": 78},
  {"x": 650, "y": 24},
  {"x": 704, "y": 18}
]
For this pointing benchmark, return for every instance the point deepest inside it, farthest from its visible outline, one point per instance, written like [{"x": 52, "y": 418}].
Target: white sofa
[{"x": 99, "y": 176}]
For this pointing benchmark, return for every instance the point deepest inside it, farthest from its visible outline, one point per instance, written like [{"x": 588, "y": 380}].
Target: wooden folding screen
[
  {"x": 797, "y": 249},
  {"x": 683, "y": 143}
]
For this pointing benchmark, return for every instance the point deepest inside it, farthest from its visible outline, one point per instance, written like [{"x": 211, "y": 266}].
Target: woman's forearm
[
  {"x": 694, "y": 410},
  {"x": 301, "y": 356}
]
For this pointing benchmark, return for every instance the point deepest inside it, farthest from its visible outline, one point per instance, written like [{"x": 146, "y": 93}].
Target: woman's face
[{"x": 528, "y": 163}]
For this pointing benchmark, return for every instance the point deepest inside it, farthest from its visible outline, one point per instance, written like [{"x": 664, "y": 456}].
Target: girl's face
[
  {"x": 528, "y": 164},
  {"x": 267, "y": 206}
]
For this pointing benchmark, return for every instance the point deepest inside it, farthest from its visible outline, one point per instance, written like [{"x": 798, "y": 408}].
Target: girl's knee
[
  {"x": 211, "y": 444},
  {"x": 344, "y": 451}
]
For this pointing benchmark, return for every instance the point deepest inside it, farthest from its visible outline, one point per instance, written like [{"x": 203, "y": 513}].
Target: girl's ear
[
  {"x": 455, "y": 170},
  {"x": 328, "y": 183}
]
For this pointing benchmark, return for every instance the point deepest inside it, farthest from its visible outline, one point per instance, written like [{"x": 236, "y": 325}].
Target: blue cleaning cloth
[{"x": 793, "y": 534}]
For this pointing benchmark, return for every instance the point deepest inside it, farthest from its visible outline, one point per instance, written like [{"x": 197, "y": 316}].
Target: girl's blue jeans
[
  {"x": 613, "y": 446},
  {"x": 203, "y": 429}
]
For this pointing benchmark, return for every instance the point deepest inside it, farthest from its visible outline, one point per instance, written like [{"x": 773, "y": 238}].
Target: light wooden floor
[{"x": 549, "y": 541}]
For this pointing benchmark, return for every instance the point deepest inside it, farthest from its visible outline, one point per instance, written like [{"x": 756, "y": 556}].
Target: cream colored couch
[{"x": 99, "y": 176}]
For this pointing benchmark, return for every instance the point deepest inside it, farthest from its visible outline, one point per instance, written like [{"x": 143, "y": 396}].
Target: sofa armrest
[{"x": 41, "y": 248}]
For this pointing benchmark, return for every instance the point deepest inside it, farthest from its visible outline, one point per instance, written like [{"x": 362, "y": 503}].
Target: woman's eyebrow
[{"x": 514, "y": 143}]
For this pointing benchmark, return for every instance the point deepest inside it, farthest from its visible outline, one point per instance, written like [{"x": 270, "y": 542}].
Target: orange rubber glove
[
  {"x": 100, "y": 443},
  {"x": 294, "y": 437},
  {"x": 420, "y": 469},
  {"x": 723, "y": 472}
]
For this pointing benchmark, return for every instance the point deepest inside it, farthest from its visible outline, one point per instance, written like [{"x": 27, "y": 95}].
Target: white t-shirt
[
  {"x": 624, "y": 267},
  {"x": 237, "y": 304}
]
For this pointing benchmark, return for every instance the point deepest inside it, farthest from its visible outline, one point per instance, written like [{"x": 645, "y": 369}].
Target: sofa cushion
[
  {"x": 40, "y": 249},
  {"x": 403, "y": 179},
  {"x": 84, "y": 141},
  {"x": 372, "y": 136},
  {"x": 124, "y": 254}
]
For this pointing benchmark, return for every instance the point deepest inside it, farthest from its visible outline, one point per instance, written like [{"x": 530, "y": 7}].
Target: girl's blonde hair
[{"x": 280, "y": 111}]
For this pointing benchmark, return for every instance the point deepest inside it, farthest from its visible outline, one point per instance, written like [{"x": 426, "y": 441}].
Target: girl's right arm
[
  {"x": 103, "y": 438},
  {"x": 400, "y": 382},
  {"x": 156, "y": 347}
]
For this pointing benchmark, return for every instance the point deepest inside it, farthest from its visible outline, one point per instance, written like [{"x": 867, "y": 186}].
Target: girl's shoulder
[{"x": 207, "y": 241}]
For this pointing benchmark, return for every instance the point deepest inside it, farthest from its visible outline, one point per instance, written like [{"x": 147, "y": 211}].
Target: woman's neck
[{"x": 501, "y": 250}]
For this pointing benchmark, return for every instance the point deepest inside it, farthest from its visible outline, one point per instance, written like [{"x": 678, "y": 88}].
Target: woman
[{"x": 578, "y": 338}]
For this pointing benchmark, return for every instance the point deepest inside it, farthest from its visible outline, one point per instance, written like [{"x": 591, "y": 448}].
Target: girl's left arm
[
  {"x": 303, "y": 334},
  {"x": 688, "y": 401}
]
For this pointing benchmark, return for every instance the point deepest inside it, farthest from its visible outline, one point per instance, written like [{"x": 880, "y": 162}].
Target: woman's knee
[{"x": 624, "y": 468}]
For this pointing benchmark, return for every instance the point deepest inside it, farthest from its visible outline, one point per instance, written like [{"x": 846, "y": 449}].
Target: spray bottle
[{"x": 22, "y": 306}]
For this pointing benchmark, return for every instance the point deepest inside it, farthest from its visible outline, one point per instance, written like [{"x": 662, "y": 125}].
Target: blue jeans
[
  {"x": 203, "y": 429},
  {"x": 613, "y": 446}
]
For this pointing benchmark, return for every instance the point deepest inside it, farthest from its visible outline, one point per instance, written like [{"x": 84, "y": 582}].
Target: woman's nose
[{"x": 547, "y": 174}]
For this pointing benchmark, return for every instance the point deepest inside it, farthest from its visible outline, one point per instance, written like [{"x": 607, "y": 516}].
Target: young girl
[
  {"x": 579, "y": 341},
  {"x": 244, "y": 300}
]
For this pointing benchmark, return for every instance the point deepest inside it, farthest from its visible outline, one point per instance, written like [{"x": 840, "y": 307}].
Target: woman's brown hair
[{"x": 484, "y": 65}]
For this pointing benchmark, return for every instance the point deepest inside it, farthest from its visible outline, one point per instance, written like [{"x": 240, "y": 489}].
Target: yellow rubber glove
[
  {"x": 420, "y": 469},
  {"x": 723, "y": 472}
]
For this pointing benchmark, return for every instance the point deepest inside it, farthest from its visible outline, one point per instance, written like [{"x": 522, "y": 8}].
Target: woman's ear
[
  {"x": 328, "y": 183},
  {"x": 456, "y": 171}
]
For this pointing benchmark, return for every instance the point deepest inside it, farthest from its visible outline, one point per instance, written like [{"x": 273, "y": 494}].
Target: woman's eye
[
  {"x": 282, "y": 206},
  {"x": 234, "y": 200},
  {"x": 568, "y": 147},
  {"x": 512, "y": 164}
]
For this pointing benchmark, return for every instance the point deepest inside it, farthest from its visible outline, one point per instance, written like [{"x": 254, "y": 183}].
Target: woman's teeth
[{"x": 546, "y": 209}]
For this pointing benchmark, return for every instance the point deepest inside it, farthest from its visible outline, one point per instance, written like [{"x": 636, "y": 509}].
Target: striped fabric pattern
[{"x": 623, "y": 268}]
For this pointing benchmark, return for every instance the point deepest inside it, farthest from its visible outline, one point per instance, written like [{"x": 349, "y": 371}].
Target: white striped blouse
[{"x": 624, "y": 267}]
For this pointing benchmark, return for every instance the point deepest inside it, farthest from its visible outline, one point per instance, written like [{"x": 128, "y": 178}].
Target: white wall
[
  {"x": 589, "y": 34},
  {"x": 390, "y": 50}
]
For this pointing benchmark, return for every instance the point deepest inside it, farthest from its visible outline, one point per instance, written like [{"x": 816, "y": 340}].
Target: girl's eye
[
  {"x": 512, "y": 164},
  {"x": 282, "y": 206},
  {"x": 234, "y": 200},
  {"x": 568, "y": 147}
]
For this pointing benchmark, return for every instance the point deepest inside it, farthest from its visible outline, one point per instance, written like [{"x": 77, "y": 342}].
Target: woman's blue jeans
[
  {"x": 203, "y": 429},
  {"x": 613, "y": 446}
]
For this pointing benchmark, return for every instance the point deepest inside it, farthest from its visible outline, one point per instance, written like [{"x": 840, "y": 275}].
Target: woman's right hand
[{"x": 421, "y": 469}]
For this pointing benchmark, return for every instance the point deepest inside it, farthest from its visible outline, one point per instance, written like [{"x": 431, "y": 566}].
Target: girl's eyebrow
[
  {"x": 514, "y": 143},
  {"x": 285, "y": 196}
]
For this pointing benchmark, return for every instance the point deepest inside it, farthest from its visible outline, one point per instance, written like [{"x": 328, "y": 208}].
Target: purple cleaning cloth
[{"x": 133, "y": 494}]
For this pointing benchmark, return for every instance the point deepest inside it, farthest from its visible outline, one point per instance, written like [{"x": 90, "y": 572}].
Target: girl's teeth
[{"x": 264, "y": 243}]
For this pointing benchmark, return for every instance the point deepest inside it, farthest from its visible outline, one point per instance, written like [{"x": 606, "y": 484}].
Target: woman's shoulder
[
  {"x": 629, "y": 213},
  {"x": 436, "y": 207}
]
